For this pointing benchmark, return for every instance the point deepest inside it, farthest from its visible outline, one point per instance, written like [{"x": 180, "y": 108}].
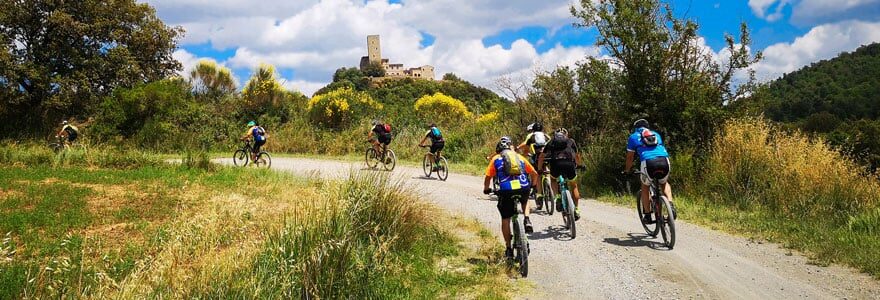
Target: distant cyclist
[
  {"x": 437, "y": 143},
  {"x": 259, "y": 135},
  {"x": 69, "y": 131},
  {"x": 534, "y": 143},
  {"x": 562, "y": 153},
  {"x": 514, "y": 175},
  {"x": 504, "y": 139},
  {"x": 654, "y": 159},
  {"x": 382, "y": 133}
]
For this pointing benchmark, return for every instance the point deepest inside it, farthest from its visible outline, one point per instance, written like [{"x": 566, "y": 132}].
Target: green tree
[
  {"x": 263, "y": 90},
  {"x": 374, "y": 70},
  {"x": 210, "y": 80},
  {"x": 59, "y": 57}
]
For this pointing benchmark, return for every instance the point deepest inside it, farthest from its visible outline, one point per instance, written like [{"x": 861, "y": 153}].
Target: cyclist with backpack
[
  {"x": 258, "y": 133},
  {"x": 69, "y": 131},
  {"x": 437, "y": 144},
  {"x": 562, "y": 154},
  {"x": 514, "y": 175},
  {"x": 382, "y": 131},
  {"x": 654, "y": 159},
  {"x": 534, "y": 144}
]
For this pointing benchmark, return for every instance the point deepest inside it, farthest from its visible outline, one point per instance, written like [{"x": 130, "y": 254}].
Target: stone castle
[{"x": 374, "y": 56}]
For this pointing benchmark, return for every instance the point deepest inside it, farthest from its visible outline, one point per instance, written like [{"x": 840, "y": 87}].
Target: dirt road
[{"x": 613, "y": 259}]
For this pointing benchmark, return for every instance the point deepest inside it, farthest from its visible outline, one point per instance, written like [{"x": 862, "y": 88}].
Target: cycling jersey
[
  {"x": 536, "y": 141},
  {"x": 634, "y": 144},
  {"x": 509, "y": 182}
]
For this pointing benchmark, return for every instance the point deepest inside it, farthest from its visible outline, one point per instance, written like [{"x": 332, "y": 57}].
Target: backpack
[
  {"x": 512, "y": 163},
  {"x": 560, "y": 148},
  {"x": 540, "y": 139},
  {"x": 261, "y": 131},
  {"x": 649, "y": 138},
  {"x": 438, "y": 136},
  {"x": 387, "y": 128}
]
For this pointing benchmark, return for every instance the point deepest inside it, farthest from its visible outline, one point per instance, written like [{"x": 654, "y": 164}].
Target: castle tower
[{"x": 373, "y": 51}]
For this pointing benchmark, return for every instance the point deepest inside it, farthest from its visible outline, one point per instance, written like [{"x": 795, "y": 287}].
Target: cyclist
[
  {"x": 534, "y": 143},
  {"x": 437, "y": 143},
  {"x": 513, "y": 172},
  {"x": 654, "y": 160},
  {"x": 503, "y": 139},
  {"x": 382, "y": 131},
  {"x": 69, "y": 131},
  {"x": 562, "y": 153},
  {"x": 259, "y": 135}
]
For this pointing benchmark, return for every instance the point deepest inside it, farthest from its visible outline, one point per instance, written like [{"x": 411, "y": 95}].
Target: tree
[
  {"x": 340, "y": 108},
  {"x": 374, "y": 70},
  {"x": 59, "y": 57},
  {"x": 442, "y": 109},
  {"x": 211, "y": 80},
  {"x": 667, "y": 75},
  {"x": 263, "y": 89}
]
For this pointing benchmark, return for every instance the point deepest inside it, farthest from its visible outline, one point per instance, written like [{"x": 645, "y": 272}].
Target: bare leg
[
  {"x": 525, "y": 207},
  {"x": 574, "y": 191},
  {"x": 667, "y": 190},
  {"x": 505, "y": 231},
  {"x": 646, "y": 201}
]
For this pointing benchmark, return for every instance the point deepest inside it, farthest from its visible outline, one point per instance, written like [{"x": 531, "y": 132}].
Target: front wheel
[
  {"x": 443, "y": 172},
  {"x": 522, "y": 249},
  {"x": 240, "y": 158},
  {"x": 371, "y": 158},
  {"x": 548, "y": 196},
  {"x": 666, "y": 222},
  {"x": 650, "y": 229},
  {"x": 426, "y": 165},
  {"x": 56, "y": 147},
  {"x": 570, "y": 209},
  {"x": 264, "y": 160},
  {"x": 390, "y": 160}
]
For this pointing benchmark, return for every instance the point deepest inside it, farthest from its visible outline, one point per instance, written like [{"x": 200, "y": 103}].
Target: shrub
[
  {"x": 442, "y": 109},
  {"x": 342, "y": 107}
]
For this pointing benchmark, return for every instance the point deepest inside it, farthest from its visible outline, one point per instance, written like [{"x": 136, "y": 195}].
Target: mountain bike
[
  {"x": 60, "y": 144},
  {"x": 520, "y": 240},
  {"x": 441, "y": 166},
  {"x": 663, "y": 210},
  {"x": 387, "y": 158},
  {"x": 568, "y": 208},
  {"x": 547, "y": 187},
  {"x": 242, "y": 156}
]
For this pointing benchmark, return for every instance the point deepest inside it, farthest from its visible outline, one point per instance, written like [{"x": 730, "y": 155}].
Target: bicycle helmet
[
  {"x": 501, "y": 146},
  {"x": 64, "y": 122},
  {"x": 505, "y": 139},
  {"x": 530, "y": 128},
  {"x": 251, "y": 123},
  {"x": 641, "y": 123},
  {"x": 538, "y": 127},
  {"x": 562, "y": 130}
]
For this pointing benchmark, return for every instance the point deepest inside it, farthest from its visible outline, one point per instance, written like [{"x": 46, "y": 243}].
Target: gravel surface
[{"x": 613, "y": 258}]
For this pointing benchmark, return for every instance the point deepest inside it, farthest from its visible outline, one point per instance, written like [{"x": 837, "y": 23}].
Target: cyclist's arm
[
  {"x": 577, "y": 154},
  {"x": 422, "y": 143},
  {"x": 533, "y": 175},
  {"x": 541, "y": 161},
  {"x": 247, "y": 133},
  {"x": 630, "y": 155}
]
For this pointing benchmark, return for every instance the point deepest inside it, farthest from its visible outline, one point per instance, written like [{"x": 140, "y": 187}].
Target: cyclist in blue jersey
[
  {"x": 654, "y": 160},
  {"x": 514, "y": 174},
  {"x": 259, "y": 135}
]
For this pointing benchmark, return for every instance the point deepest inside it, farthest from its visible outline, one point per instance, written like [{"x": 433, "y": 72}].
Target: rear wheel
[
  {"x": 371, "y": 158},
  {"x": 426, "y": 165},
  {"x": 548, "y": 196},
  {"x": 240, "y": 158},
  {"x": 650, "y": 229},
  {"x": 443, "y": 172},
  {"x": 390, "y": 160},
  {"x": 264, "y": 160},
  {"x": 572, "y": 226},
  {"x": 666, "y": 222}
]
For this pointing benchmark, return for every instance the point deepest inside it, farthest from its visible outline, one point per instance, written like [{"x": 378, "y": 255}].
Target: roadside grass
[{"x": 197, "y": 230}]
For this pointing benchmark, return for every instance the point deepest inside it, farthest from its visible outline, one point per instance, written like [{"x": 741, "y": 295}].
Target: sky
[{"x": 483, "y": 40}]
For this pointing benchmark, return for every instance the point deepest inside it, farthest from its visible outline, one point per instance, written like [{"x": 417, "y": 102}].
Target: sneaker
[
  {"x": 647, "y": 219},
  {"x": 528, "y": 226},
  {"x": 577, "y": 214},
  {"x": 508, "y": 253}
]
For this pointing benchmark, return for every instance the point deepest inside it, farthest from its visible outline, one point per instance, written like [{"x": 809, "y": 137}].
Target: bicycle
[
  {"x": 242, "y": 156},
  {"x": 547, "y": 187},
  {"x": 663, "y": 210},
  {"x": 441, "y": 166},
  {"x": 520, "y": 240},
  {"x": 60, "y": 144},
  {"x": 568, "y": 208},
  {"x": 387, "y": 158}
]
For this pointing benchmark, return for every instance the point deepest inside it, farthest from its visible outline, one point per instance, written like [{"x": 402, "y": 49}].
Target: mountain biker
[
  {"x": 437, "y": 143},
  {"x": 69, "y": 131},
  {"x": 503, "y": 139},
  {"x": 533, "y": 144},
  {"x": 562, "y": 154},
  {"x": 259, "y": 135},
  {"x": 383, "y": 135},
  {"x": 504, "y": 162},
  {"x": 654, "y": 160}
]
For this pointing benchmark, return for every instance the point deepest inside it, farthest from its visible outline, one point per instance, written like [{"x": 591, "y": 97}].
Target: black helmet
[
  {"x": 538, "y": 127},
  {"x": 501, "y": 146},
  {"x": 641, "y": 123},
  {"x": 562, "y": 130}
]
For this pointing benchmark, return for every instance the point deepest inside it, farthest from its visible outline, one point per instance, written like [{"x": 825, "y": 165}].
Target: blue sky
[{"x": 482, "y": 40}]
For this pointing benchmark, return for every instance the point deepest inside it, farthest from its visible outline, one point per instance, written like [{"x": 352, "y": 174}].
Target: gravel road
[{"x": 612, "y": 258}]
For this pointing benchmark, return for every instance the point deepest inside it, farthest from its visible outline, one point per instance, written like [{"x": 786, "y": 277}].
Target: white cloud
[
  {"x": 821, "y": 42},
  {"x": 811, "y": 12}
]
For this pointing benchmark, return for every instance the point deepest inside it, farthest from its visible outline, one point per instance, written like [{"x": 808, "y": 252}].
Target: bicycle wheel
[
  {"x": 371, "y": 158},
  {"x": 240, "y": 158},
  {"x": 548, "y": 196},
  {"x": 56, "y": 147},
  {"x": 522, "y": 247},
  {"x": 390, "y": 161},
  {"x": 264, "y": 160},
  {"x": 650, "y": 229},
  {"x": 666, "y": 222},
  {"x": 570, "y": 209},
  {"x": 426, "y": 166},
  {"x": 443, "y": 172}
]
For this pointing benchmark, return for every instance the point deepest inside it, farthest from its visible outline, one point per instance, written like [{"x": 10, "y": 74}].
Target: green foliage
[
  {"x": 374, "y": 70},
  {"x": 60, "y": 57},
  {"x": 210, "y": 80},
  {"x": 341, "y": 108}
]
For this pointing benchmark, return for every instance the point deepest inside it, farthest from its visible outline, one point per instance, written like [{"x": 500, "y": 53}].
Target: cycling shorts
[
  {"x": 385, "y": 138},
  {"x": 257, "y": 145},
  {"x": 656, "y": 169},
  {"x": 71, "y": 136},
  {"x": 563, "y": 167},
  {"x": 436, "y": 147},
  {"x": 507, "y": 203}
]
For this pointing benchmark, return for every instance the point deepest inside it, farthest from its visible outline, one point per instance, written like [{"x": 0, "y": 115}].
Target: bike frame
[{"x": 563, "y": 187}]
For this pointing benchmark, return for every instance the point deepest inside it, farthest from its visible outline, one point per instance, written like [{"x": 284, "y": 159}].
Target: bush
[
  {"x": 442, "y": 109},
  {"x": 342, "y": 107}
]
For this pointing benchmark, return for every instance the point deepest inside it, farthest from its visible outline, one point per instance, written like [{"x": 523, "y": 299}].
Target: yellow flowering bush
[
  {"x": 441, "y": 108},
  {"x": 489, "y": 118},
  {"x": 341, "y": 107}
]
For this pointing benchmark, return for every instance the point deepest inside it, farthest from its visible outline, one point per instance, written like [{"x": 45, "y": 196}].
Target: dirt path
[{"x": 612, "y": 257}]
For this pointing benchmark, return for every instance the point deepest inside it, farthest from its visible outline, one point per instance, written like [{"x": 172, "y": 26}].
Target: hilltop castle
[{"x": 374, "y": 56}]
